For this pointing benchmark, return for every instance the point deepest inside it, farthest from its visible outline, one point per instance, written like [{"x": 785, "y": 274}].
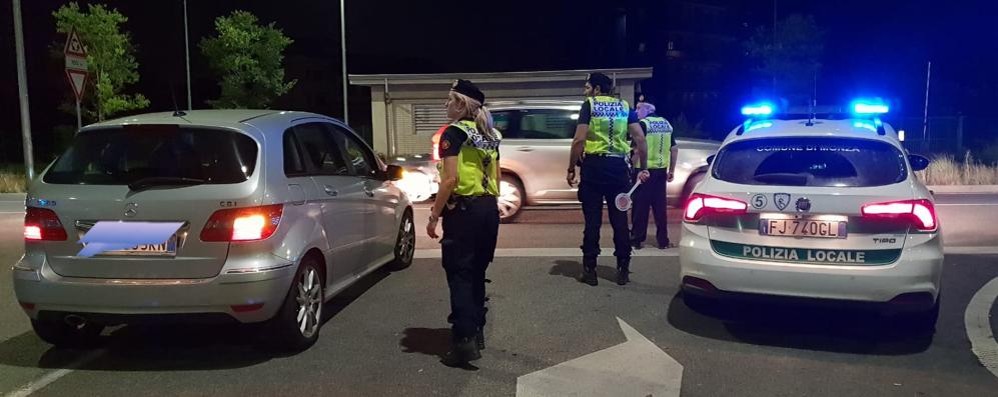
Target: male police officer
[
  {"x": 661, "y": 164},
  {"x": 604, "y": 123}
]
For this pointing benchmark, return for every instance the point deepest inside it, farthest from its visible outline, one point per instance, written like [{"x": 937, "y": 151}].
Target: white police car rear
[{"x": 824, "y": 208}]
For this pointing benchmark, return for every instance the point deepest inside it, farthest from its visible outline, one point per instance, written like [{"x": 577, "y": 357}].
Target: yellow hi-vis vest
[
  {"x": 659, "y": 138},
  {"x": 477, "y": 163},
  {"x": 607, "y": 126}
]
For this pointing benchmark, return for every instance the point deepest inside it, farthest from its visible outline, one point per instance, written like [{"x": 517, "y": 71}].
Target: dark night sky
[{"x": 872, "y": 47}]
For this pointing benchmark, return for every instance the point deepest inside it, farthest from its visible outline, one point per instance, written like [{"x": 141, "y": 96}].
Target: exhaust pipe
[{"x": 75, "y": 320}]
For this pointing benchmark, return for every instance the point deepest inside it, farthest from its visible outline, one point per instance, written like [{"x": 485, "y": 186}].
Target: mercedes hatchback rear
[{"x": 244, "y": 216}]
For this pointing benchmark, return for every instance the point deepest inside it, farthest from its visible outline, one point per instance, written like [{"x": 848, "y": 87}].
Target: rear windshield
[
  {"x": 830, "y": 162},
  {"x": 120, "y": 156}
]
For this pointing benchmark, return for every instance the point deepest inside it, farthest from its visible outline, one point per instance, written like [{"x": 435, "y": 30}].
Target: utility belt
[
  {"x": 462, "y": 203},
  {"x": 610, "y": 155}
]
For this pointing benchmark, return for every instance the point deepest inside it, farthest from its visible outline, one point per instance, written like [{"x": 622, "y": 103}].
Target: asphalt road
[{"x": 384, "y": 336}]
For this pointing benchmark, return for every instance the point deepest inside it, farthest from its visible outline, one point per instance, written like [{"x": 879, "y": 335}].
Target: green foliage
[
  {"x": 110, "y": 58},
  {"x": 791, "y": 57},
  {"x": 247, "y": 57}
]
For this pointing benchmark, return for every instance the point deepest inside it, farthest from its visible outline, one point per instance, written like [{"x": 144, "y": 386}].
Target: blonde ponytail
[{"x": 477, "y": 111}]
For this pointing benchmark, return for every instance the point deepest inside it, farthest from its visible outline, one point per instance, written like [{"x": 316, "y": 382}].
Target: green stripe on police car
[{"x": 806, "y": 255}]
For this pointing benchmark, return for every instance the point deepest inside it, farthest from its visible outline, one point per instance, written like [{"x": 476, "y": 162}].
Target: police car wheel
[
  {"x": 511, "y": 198},
  {"x": 922, "y": 323}
]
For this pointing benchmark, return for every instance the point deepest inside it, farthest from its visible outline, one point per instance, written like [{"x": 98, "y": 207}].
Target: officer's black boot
[
  {"x": 589, "y": 271},
  {"x": 623, "y": 271},
  {"x": 462, "y": 351}
]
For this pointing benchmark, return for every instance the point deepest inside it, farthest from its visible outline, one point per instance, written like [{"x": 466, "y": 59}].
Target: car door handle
[
  {"x": 330, "y": 190},
  {"x": 525, "y": 149}
]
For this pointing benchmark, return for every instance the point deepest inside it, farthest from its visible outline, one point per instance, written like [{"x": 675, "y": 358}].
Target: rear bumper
[
  {"x": 910, "y": 283},
  {"x": 244, "y": 297}
]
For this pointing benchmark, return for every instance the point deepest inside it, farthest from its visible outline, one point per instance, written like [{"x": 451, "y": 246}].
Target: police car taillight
[
  {"x": 702, "y": 204},
  {"x": 921, "y": 213}
]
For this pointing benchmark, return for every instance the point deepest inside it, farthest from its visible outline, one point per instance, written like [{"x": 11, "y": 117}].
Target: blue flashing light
[
  {"x": 869, "y": 107},
  {"x": 762, "y": 109},
  {"x": 865, "y": 125},
  {"x": 758, "y": 125}
]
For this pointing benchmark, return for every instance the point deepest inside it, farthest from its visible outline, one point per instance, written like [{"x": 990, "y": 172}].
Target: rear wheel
[
  {"x": 405, "y": 245},
  {"x": 921, "y": 323},
  {"x": 511, "y": 198},
  {"x": 62, "y": 334},
  {"x": 296, "y": 326}
]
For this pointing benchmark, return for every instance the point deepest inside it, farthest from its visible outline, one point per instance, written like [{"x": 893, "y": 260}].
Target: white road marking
[
  {"x": 636, "y": 367},
  {"x": 53, "y": 376},
  {"x": 978, "y": 324}
]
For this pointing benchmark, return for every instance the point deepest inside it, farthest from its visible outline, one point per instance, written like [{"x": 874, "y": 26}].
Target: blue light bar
[
  {"x": 762, "y": 109},
  {"x": 869, "y": 108},
  {"x": 865, "y": 125},
  {"x": 758, "y": 125}
]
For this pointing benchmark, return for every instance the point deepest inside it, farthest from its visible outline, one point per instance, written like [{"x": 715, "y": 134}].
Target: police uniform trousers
[
  {"x": 650, "y": 195},
  {"x": 468, "y": 245},
  {"x": 602, "y": 179}
]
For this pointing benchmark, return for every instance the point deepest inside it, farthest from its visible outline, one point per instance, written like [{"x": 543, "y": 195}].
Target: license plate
[
  {"x": 168, "y": 248},
  {"x": 802, "y": 228}
]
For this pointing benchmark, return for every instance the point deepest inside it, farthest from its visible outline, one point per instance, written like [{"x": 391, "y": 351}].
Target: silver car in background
[
  {"x": 277, "y": 213},
  {"x": 537, "y": 138}
]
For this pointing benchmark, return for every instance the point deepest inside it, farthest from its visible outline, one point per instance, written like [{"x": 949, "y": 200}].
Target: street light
[{"x": 22, "y": 91}]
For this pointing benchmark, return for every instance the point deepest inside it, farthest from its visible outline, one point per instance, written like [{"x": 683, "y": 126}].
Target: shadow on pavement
[
  {"x": 172, "y": 347},
  {"x": 428, "y": 341},
  {"x": 796, "y": 326},
  {"x": 573, "y": 269}
]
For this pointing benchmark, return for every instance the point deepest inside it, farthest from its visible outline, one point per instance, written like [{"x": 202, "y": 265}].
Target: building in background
[{"x": 407, "y": 109}]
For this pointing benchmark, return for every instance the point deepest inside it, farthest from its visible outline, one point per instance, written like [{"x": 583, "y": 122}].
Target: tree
[
  {"x": 248, "y": 57},
  {"x": 110, "y": 57},
  {"x": 791, "y": 57}
]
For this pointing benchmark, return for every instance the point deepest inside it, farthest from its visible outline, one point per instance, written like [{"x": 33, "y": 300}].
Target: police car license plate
[{"x": 802, "y": 228}]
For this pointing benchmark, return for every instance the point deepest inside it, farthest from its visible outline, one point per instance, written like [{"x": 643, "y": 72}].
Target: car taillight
[
  {"x": 702, "y": 204},
  {"x": 921, "y": 213},
  {"x": 243, "y": 224},
  {"x": 42, "y": 224}
]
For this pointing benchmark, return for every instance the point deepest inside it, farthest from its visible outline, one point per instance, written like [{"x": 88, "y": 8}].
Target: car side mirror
[
  {"x": 918, "y": 162},
  {"x": 710, "y": 159},
  {"x": 394, "y": 172}
]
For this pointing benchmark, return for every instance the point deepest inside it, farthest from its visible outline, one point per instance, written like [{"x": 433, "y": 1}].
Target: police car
[{"x": 826, "y": 208}]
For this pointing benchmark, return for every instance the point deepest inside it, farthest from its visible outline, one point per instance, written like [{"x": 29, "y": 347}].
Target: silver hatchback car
[
  {"x": 267, "y": 214},
  {"x": 537, "y": 139}
]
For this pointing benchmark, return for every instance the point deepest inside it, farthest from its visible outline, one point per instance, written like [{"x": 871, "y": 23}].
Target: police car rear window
[
  {"x": 122, "y": 155},
  {"x": 827, "y": 162}
]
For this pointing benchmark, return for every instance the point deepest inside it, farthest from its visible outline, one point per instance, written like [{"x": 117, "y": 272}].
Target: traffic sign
[
  {"x": 77, "y": 80},
  {"x": 76, "y": 69}
]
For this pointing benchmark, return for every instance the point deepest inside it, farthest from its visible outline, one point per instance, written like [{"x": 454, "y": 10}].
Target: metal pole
[
  {"x": 79, "y": 120},
  {"x": 22, "y": 91},
  {"x": 343, "y": 48},
  {"x": 187, "y": 54},
  {"x": 925, "y": 117}
]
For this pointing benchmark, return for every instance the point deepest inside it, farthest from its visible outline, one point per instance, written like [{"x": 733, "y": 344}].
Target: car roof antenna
[
  {"x": 176, "y": 110},
  {"x": 813, "y": 103}
]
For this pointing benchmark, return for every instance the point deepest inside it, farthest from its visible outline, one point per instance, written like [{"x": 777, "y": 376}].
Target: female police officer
[{"x": 469, "y": 175}]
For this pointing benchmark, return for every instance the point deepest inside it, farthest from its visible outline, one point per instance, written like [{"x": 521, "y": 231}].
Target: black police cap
[
  {"x": 468, "y": 89},
  {"x": 599, "y": 79}
]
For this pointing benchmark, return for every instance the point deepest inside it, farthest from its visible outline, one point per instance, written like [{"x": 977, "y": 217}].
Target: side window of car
[
  {"x": 548, "y": 124},
  {"x": 359, "y": 157},
  {"x": 293, "y": 163},
  {"x": 504, "y": 122},
  {"x": 319, "y": 149}
]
